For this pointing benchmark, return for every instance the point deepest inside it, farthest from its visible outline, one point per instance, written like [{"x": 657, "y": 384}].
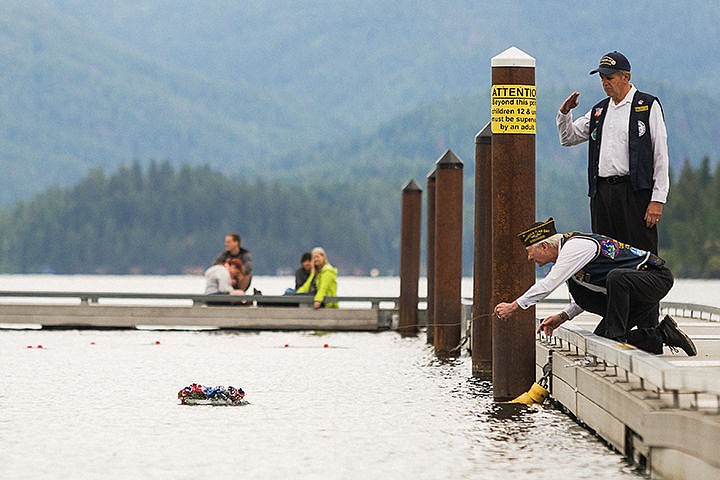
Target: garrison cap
[{"x": 538, "y": 232}]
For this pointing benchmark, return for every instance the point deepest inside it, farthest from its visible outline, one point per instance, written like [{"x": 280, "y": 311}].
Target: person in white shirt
[
  {"x": 621, "y": 283},
  {"x": 220, "y": 277},
  {"x": 628, "y": 159}
]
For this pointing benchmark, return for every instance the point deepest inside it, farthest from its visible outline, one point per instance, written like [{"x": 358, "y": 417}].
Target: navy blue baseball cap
[{"x": 612, "y": 62}]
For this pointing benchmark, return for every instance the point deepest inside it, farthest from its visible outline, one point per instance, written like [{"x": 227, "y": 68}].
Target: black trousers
[
  {"x": 618, "y": 212},
  {"x": 633, "y": 307}
]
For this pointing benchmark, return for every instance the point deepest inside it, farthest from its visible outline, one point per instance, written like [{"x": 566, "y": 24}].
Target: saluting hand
[{"x": 570, "y": 103}]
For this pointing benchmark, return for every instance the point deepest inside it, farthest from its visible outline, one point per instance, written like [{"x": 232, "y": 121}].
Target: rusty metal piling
[
  {"x": 430, "y": 256},
  {"x": 410, "y": 258},
  {"x": 448, "y": 254},
  {"x": 481, "y": 337}
]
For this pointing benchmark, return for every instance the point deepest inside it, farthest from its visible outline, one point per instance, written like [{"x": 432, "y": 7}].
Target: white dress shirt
[
  {"x": 614, "y": 149},
  {"x": 572, "y": 257}
]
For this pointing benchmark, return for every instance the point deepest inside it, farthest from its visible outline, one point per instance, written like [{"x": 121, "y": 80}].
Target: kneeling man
[{"x": 621, "y": 283}]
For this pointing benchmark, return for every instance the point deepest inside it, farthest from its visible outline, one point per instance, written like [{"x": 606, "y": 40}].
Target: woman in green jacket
[{"x": 325, "y": 279}]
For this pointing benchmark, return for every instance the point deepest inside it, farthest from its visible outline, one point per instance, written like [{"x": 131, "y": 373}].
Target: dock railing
[
  {"x": 198, "y": 299},
  {"x": 682, "y": 382},
  {"x": 691, "y": 310}
]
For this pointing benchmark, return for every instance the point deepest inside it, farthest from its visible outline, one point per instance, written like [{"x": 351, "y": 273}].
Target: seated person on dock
[
  {"x": 621, "y": 283},
  {"x": 325, "y": 279},
  {"x": 304, "y": 277},
  {"x": 219, "y": 279},
  {"x": 234, "y": 250}
]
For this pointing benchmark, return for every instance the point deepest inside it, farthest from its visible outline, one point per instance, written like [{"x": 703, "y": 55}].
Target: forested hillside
[
  {"x": 690, "y": 230},
  {"x": 167, "y": 220}
]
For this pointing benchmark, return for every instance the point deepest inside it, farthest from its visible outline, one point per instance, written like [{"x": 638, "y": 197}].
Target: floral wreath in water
[{"x": 196, "y": 394}]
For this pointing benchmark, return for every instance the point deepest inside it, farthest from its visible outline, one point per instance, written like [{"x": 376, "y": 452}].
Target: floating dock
[
  {"x": 661, "y": 411},
  {"x": 244, "y": 312}
]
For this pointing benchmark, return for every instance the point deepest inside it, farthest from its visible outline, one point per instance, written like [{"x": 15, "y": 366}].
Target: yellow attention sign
[{"x": 513, "y": 109}]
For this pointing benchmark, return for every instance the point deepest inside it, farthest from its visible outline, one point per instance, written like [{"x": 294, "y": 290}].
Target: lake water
[{"x": 103, "y": 404}]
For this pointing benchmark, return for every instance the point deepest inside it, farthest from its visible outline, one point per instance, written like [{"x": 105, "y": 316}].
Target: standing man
[
  {"x": 627, "y": 155},
  {"x": 621, "y": 283},
  {"x": 234, "y": 250}
]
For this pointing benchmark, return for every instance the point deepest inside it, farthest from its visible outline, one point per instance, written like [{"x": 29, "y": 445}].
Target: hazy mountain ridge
[
  {"x": 71, "y": 101},
  {"x": 251, "y": 88}
]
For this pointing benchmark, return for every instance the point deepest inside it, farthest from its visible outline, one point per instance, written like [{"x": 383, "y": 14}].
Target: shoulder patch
[
  {"x": 641, "y": 128},
  {"x": 609, "y": 248}
]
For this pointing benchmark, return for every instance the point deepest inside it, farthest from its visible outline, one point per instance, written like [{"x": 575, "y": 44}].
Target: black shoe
[{"x": 674, "y": 337}]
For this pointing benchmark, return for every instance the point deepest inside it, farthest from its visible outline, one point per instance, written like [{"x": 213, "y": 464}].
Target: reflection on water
[{"x": 102, "y": 404}]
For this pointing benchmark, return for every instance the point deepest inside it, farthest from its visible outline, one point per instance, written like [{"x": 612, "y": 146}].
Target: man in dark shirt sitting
[
  {"x": 234, "y": 250},
  {"x": 303, "y": 273}
]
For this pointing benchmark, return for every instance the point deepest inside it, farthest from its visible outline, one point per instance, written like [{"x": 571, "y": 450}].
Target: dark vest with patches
[
  {"x": 587, "y": 286},
  {"x": 640, "y": 147}
]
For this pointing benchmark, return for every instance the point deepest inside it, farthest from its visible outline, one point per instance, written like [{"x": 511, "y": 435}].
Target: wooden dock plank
[{"x": 253, "y": 318}]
